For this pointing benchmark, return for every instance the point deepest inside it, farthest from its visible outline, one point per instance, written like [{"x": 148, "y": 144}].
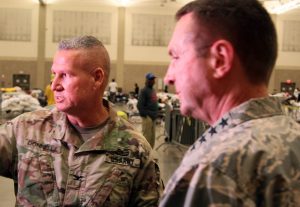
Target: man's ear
[
  {"x": 99, "y": 75},
  {"x": 222, "y": 53}
]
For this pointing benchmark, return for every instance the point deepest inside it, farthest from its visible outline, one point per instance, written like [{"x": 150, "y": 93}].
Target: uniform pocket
[
  {"x": 47, "y": 174},
  {"x": 114, "y": 191},
  {"x": 36, "y": 180}
]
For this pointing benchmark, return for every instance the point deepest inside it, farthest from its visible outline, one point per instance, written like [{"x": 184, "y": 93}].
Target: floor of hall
[{"x": 168, "y": 155}]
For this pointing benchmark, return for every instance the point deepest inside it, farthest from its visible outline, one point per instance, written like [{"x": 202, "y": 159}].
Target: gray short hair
[
  {"x": 81, "y": 42},
  {"x": 87, "y": 42}
]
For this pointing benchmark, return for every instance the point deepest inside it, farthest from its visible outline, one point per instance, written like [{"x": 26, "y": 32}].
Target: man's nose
[
  {"x": 168, "y": 81},
  {"x": 54, "y": 84},
  {"x": 169, "y": 78}
]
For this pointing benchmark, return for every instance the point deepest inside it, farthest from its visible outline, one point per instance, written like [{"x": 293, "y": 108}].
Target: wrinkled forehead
[{"x": 65, "y": 60}]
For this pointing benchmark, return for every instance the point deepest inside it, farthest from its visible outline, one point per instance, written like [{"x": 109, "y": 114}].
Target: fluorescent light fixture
[
  {"x": 284, "y": 7},
  {"x": 123, "y": 3}
]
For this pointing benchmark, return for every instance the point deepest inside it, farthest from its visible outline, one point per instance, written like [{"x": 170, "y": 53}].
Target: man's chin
[
  {"x": 185, "y": 111},
  {"x": 61, "y": 107}
]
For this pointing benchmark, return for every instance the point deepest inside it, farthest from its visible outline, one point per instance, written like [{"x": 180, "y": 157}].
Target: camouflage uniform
[
  {"x": 250, "y": 157},
  {"x": 52, "y": 166}
]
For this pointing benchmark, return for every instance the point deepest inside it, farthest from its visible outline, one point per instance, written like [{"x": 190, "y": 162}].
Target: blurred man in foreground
[{"x": 223, "y": 53}]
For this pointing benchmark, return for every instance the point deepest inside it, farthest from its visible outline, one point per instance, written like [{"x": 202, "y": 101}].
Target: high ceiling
[
  {"x": 269, "y": 4},
  {"x": 126, "y": 3},
  {"x": 282, "y": 6}
]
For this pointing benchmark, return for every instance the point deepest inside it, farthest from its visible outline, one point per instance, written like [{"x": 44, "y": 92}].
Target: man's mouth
[{"x": 59, "y": 99}]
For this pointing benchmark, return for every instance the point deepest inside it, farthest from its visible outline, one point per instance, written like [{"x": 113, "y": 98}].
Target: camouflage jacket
[
  {"x": 250, "y": 157},
  {"x": 52, "y": 166}
]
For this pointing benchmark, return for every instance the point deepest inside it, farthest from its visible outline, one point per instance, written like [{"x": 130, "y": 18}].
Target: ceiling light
[
  {"x": 284, "y": 7},
  {"x": 123, "y": 3}
]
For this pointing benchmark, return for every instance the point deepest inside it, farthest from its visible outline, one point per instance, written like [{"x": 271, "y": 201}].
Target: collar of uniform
[
  {"x": 59, "y": 124},
  {"x": 249, "y": 110},
  {"x": 252, "y": 109},
  {"x": 111, "y": 137},
  {"x": 61, "y": 129},
  {"x": 255, "y": 109}
]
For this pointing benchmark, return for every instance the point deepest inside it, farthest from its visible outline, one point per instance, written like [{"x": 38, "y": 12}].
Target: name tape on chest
[
  {"x": 122, "y": 160},
  {"x": 43, "y": 147}
]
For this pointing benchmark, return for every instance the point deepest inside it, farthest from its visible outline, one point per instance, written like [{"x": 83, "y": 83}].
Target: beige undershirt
[{"x": 88, "y": 132}]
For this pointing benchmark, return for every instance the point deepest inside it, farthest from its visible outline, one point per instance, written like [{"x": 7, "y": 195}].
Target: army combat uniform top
[
  {"x": 52, "y": 166},
  {"x": 250, "y": 157}
]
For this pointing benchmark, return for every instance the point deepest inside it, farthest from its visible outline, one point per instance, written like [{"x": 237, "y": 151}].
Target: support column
[
  {"x": 272, "y": 85},
  {"x": 120, "y": 48},
  {"x": 41, "y": 45}
]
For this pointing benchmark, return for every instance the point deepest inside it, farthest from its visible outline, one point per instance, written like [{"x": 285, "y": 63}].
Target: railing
[{"x": 292, "y": 111}]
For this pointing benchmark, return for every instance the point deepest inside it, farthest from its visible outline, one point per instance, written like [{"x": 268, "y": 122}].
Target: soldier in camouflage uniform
[
  {"x": 223, "y": 52},
  {"x": 79, "y": 153}
]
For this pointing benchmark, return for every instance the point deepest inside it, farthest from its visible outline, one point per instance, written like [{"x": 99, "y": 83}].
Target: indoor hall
[{"x": 136, "y": 34}]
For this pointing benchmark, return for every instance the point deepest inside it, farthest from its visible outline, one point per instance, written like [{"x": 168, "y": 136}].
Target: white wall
[
  {"x": 142, "y": 53},
  {"x": 286, "y": 59},
  {"x": 51, "y": 47},
  {"x": 17, "y": 48},
  {"x": 132, "y": 53}
]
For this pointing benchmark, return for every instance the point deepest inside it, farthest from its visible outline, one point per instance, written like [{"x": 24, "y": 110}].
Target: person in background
[
  {"x": 49, "y": 95},
  {"x": 136, "y": 90},
  {"x": 131, "y": 105},
  {"x": 166, "y": 89},
  {"x": 113, "y": 89},
  {"x": 148, "y": 108},
  {"x": 79, "y": 153},
  {"x": 222, "y": 56}
]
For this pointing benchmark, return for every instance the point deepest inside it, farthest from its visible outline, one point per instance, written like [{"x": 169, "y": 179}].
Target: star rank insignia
[
  {"x": 224, "y": 122},
  {"x": 202, "y": 139},
  {"x": 212, "y": 131},
  {"x": 193, "y": 147}
]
